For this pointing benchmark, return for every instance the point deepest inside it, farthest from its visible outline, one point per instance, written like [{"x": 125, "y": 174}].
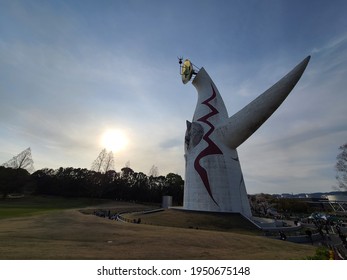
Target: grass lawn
[
  {"x": 197, "y": 220},
  {"x": 52, "y": 230},
  {"x": 33, "y": 205}
]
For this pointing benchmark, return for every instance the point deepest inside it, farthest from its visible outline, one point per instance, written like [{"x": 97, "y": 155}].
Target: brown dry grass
[{"x": 69, "y": 234}]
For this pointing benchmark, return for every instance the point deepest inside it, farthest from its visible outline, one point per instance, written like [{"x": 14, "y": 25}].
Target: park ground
[{"x": 44, "y": 228}]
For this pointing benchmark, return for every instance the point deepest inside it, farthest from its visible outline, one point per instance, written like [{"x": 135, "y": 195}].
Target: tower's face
[{"x": 213, "y": 180}]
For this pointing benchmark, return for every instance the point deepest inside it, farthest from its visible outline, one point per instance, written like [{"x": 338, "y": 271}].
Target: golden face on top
[{"x": 187, "y": 71}]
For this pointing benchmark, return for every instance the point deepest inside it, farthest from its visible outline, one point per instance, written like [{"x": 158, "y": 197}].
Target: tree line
[
  {"x": 104, "y": 182},
  {"x": 126, "y": 185}
]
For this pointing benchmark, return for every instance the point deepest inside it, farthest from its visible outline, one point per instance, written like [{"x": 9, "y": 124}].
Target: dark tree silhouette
[
  {"x": 126, "y": 185},
  {"x": 13, "y": 180}
]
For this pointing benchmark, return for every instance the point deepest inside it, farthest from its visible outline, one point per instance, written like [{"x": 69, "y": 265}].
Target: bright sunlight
[{"x": 114, "y": 140}]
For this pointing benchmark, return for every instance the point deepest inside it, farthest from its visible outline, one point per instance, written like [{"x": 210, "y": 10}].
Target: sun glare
[{"x": 114, "y": 140}]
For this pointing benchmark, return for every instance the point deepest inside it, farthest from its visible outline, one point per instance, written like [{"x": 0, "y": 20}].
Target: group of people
[{"x": 106, "y": 214}]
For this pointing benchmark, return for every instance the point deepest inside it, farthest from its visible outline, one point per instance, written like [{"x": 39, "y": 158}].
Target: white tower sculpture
[{"x": 213, "y": 178}]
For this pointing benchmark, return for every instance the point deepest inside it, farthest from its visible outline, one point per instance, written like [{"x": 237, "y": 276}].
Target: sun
[{"x": 114, "y": 140}]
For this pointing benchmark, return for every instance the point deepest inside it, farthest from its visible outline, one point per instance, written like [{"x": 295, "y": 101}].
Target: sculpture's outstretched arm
[{"x": 244, "y": 123}]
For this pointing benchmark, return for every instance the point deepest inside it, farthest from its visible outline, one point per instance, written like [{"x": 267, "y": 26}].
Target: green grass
[
  {"x": 197, "y": 220},
  {"x": 322, "y": 253},
  {"x": 32, "y": 205}
]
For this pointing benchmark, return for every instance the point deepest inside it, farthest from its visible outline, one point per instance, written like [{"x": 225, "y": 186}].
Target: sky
[{"x": 72, "y": 70}]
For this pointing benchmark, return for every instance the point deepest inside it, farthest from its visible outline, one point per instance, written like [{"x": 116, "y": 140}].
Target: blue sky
[{"x": 70, "y": 70}]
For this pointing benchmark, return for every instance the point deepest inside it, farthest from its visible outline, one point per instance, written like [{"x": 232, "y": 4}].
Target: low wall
[
  {"x": 304, "y": 238},
  {"x": 300, "y": 238},
  {"x": 267, "y": 224}
]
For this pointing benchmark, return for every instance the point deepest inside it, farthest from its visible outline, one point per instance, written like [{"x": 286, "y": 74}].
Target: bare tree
[
  {"x": 108, "y": 162},
  {"x": 104, "y": 162},
  {"x": 99, "y": 162},
  {"x": 23, "y": 160},
  {"x": 341, "y": 167},
  {"x": 154, "y": 171}
]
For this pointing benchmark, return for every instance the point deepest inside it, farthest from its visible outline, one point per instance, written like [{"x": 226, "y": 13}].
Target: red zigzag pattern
[{"x": 211, "y": 149}]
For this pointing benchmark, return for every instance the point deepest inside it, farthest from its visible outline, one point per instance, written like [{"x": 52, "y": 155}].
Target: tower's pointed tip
[
  {"x": 304, "y": 62},
  {"x": 300, "y": 68},
  {"x": 307, "y": 59}
]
